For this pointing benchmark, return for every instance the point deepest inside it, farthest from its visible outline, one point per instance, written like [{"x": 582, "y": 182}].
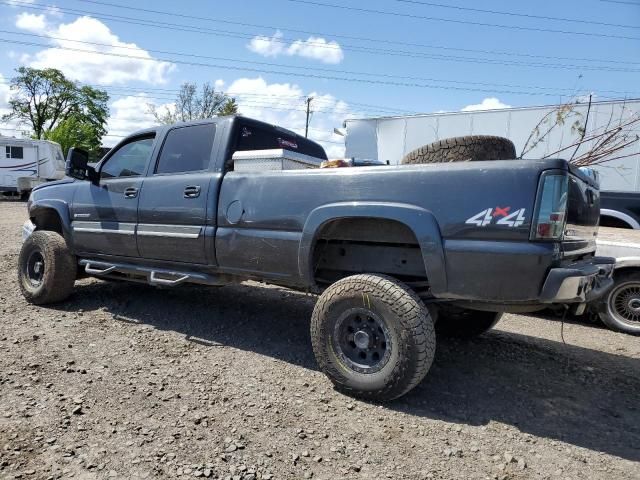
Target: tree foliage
[
  {"x": 191, "y": 104},
  {"x": 57, "y": 108}
]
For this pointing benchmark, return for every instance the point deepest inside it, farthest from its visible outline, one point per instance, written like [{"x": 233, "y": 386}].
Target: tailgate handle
[{"x": 192, "y": 191}]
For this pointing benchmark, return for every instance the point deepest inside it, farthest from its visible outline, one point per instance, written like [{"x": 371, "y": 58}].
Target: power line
[
  {"x": 350, "y": 37},
  {"x": 635, "y": 4},
  {"x": 333, "y": 72},
  {"x": 280, "y": 72},
  {"x": 360, "y": 49},
  {"x": 270, "y": 64},
  {"x": 514, "y": 14},
  {"x": 462, "y": 22}
]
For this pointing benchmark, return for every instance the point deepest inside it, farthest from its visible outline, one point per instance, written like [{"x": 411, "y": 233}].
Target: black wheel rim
[
  {"x": 624, "y": 304},
  {"x": 362, "y": 340},
  {"x": 35, "y": 268}
]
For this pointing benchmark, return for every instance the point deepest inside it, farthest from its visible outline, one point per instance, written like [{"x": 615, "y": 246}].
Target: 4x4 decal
[{"x": 502, "y": 215}]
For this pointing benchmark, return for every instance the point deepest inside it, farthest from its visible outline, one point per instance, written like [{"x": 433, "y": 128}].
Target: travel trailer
[{"x": 25, "y": 163}]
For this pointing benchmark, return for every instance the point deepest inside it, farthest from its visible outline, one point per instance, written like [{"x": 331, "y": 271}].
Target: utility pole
[{"x": 306, "y": 129}]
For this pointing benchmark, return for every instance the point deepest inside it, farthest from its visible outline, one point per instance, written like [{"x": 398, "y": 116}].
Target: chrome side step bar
[{"x": 153, "y": 276}]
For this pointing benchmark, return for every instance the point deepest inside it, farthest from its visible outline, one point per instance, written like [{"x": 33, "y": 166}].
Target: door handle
[
  {"x": 130, "y": 192},
  {"x": 192, "y": 191}
]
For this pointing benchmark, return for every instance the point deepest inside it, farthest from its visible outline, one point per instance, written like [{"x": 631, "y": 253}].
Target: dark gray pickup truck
[{"x": 395, "y": 252}]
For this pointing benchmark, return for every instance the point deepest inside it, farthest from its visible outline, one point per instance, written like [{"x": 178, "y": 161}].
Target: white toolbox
[{"x": 276, "y": 159}]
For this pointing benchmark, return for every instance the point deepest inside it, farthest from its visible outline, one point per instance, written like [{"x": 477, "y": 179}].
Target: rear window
[
  {"x": 256, "y": 138},
  {"x": 187, "y": 149}
]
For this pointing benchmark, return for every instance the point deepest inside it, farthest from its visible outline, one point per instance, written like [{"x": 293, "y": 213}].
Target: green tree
[
  {"x": 193, "y": 105},
  {"x": 74, "y": 132},
  {"x": 46, "y": 99}
]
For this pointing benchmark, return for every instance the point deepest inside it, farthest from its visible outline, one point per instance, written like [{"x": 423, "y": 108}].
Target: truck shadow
[{"x": 576, "y": 395}]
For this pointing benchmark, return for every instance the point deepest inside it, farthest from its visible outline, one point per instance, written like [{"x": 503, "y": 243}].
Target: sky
[{"x": 355, "y": 58}]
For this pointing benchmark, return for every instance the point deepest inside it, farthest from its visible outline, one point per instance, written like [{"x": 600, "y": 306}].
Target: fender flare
[
  {"x": 420, "y": 221},
  {"x": 61, "y": 208}
]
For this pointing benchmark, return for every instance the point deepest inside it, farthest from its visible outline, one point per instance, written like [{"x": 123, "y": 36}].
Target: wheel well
[
  {"x": 607, "y": 221},
  {"x": 48, "y": 219},
  {"x": 349, "y": 246}
]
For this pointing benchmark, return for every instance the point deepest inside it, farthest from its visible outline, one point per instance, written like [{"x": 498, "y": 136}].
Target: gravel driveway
[{"x": 128, "y": 381}]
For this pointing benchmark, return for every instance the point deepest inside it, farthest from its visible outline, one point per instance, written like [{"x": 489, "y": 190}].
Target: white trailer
[
  {"x": 25, "y": 163},
  {"x": 391, "y": 138}
]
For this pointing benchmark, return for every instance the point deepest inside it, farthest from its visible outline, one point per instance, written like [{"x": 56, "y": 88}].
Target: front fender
[
  {"x": 421, "y": 222},
  {"x": 40, "y": 208}
]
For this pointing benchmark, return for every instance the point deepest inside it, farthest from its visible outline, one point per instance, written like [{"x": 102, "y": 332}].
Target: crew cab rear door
[{"x": 172, "y": 213}]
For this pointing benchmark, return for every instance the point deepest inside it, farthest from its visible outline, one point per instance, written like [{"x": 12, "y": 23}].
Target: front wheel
[
  {"x": 46, "y": 268},
  {"x": 464, "y": 323},
  {"x": 620, "y": 309},
  {"x": 372, "y": 336}
]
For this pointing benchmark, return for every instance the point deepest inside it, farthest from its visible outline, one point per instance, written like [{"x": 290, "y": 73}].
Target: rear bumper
[{"x": 580, "y": 283}]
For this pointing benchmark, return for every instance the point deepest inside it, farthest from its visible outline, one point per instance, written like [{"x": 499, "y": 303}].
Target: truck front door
[
  {"x": 104, "y": 216},
  {"x": 179, "y": 194}
]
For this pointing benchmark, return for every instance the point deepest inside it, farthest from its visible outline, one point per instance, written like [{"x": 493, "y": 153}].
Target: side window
[
  {"x": 130, "y": 160},
  {"x": 187, "y": 149},
  {"x": 14, "y": 152}
]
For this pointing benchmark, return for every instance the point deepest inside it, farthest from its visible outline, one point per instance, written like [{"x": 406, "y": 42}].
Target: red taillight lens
[{"x": 549, "y": 220}]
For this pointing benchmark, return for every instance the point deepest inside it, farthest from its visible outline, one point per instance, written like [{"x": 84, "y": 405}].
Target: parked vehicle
[
  {"x": 25, "y": 163},
  {"x": 390, "y": 249},
  {"x": 620, "y": 209},
  {"x": 619, "y": 309}
]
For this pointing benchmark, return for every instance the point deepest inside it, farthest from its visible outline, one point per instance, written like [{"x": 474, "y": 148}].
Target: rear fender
[{"x": 421, "y": 222}]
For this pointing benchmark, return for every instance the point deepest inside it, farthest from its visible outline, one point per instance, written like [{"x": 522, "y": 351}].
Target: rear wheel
[
  {"x": 46, "y": 268},
  {"x": 372, "y": 336},
  {"x": 463, "y": 149},
  {"x": 465, "y": 323},
  {"x": 620, "y": 309}
]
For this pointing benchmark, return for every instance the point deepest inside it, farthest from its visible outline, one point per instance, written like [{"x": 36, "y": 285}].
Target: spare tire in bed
[{"x": 463, "y": 149}]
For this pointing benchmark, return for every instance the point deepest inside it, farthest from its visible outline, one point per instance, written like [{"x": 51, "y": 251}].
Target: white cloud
[
  {"x": 31, "y": 22},
  {"x": 284, "y": 104},
  {"x": 267, "y": 46},
  {"x": 128, "y": 114},
  {"x": 315, "y": 48},
  {"x": 489, "y": 103},
  {"x": 10, "y": 128},
  {"x": 87, "y": 66}
]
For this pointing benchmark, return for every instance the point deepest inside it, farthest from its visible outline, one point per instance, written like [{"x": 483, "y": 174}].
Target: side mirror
[{"x": 77, "y": 165}]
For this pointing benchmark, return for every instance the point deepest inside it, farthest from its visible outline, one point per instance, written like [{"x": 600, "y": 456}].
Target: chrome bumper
[{"x": 580, "y": 283}]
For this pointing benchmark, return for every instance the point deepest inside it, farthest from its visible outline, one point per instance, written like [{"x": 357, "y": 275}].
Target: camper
[{"x": 25, "y": 163}]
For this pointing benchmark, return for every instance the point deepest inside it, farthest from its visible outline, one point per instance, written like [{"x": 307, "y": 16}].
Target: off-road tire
[
  {"x": 464, "y": 323},
  {"x": 613, "y": 317},
  {"x": 408, "y": 323},
  {"x": 59, "y": 263},
  {"x": 463, "y": 149}
]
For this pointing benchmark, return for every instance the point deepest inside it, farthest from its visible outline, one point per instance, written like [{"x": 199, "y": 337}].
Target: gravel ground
[{"x": 128, "y": 381}]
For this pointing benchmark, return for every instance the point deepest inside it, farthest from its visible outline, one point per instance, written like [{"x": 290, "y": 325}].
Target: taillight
[{"x": 551, "y": 211}]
